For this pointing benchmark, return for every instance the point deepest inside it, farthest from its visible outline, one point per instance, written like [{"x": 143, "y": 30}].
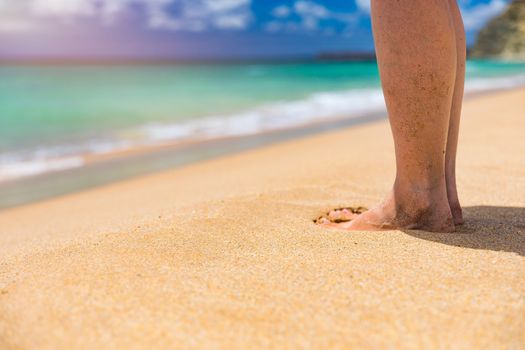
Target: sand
[{"x": 224, "y": 253}]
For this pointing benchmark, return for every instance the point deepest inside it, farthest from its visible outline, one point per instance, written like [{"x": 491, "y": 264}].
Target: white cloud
[
  {"x": 311, "y": 9},
  {"x": 309, "y": 14},
  {"x": 224, "y": 5},
  {"x": 476, "y": 16},
  {"x": 238, "y": 21},
  {"x": 62, "y": 8},
  {"x": 8, "y": 25},
  {"x": 198, "y": 15},
  {"x": 281, "y": 11},
  {"x": 192, "y": 15},
  {"x": 363, "y": 5}
]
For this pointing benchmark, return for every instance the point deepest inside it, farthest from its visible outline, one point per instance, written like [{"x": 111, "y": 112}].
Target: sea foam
[{"x": 316, "y": 108}]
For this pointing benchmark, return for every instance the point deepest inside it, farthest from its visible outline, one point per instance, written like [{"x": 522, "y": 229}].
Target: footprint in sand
[{"x": 340, "y": 215}]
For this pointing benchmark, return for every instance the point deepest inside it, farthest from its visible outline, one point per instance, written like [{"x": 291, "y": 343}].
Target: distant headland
[{"x": 504, "y": 36}]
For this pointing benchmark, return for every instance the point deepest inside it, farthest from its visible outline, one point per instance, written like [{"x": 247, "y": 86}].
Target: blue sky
[{"x": 196, "y": 28}]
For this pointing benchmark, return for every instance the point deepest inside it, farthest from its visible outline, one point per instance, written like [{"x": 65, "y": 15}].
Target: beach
[
  {"x": 224, "y": 253},
  {"x": 70, "y": 127}
]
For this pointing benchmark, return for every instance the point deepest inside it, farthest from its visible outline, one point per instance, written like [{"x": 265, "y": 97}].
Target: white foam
[
  {"x": 285, "y": 114},
  {"x": 494, "y": 83},
  {"x": 267, "y": 117},
  {"x": 33, "y": 167},
  {"x": 317, "y": 107}
]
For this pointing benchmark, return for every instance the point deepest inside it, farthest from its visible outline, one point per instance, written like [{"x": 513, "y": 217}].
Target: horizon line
[{"x": 319, "y": 57}]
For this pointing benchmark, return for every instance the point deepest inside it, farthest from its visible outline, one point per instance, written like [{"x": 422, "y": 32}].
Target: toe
[
  {"x": 323, "y": 221},
  {"x": 333, "y": 214},
  {"x": 340, "y": 215}
]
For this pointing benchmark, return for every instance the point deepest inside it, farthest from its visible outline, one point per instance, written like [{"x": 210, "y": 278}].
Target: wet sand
[{"x": 224, "y": 253}]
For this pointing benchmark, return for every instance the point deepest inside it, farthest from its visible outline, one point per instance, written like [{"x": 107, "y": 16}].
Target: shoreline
[
  {"x": 147, "y": 159},
  {"x": 19, "y": 192},
  {"x": 224, "y": 254}
]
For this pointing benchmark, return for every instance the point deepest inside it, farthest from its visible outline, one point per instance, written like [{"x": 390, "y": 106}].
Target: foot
[{"x": 429, "y": 212}]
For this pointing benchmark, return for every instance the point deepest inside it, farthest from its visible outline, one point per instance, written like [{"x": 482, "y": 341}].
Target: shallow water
[{"x": 52, "y": 117}]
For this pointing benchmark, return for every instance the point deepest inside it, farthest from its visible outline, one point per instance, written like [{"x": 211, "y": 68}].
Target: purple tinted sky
[{"x": 196, "y": 28}]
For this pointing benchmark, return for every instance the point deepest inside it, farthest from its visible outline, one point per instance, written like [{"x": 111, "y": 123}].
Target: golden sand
[{"x": 224, "y": 253}]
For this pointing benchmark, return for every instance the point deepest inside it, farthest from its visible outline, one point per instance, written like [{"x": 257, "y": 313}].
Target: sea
[{"x": 55, "y": 118}]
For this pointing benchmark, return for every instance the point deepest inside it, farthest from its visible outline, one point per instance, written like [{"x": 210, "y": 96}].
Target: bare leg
[
  {"x": 455, "y": 114},
  {"x": 416, "y": 52}
]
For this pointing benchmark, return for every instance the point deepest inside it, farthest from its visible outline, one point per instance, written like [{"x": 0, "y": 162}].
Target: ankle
[
  {"x": 415, "y": 199},
  {"x": 424, "y": 190}
]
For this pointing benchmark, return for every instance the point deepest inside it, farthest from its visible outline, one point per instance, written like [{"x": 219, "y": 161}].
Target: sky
[{"x": 159, "y": 29}]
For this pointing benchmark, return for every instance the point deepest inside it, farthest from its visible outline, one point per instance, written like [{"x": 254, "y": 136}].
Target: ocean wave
[
  {"x": 494, "y": 83},
  {"x": 318, "y": 107},
  {"x": 286, "y": 114},
  {"x": 19, "y": 169}
]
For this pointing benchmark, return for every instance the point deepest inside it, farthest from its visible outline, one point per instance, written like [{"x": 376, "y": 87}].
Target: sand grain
[{"x": 224, "y": 254}]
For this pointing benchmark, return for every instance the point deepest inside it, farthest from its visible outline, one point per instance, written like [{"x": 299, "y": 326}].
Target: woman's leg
[
  {"x": 416, "y": 53},
  {"x": 455, "y": 114}
]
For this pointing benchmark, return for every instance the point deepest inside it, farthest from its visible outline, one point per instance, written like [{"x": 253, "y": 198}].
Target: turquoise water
[
  {"x": 53, "y": 112},
  {"x": 46, "y": 104}
]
